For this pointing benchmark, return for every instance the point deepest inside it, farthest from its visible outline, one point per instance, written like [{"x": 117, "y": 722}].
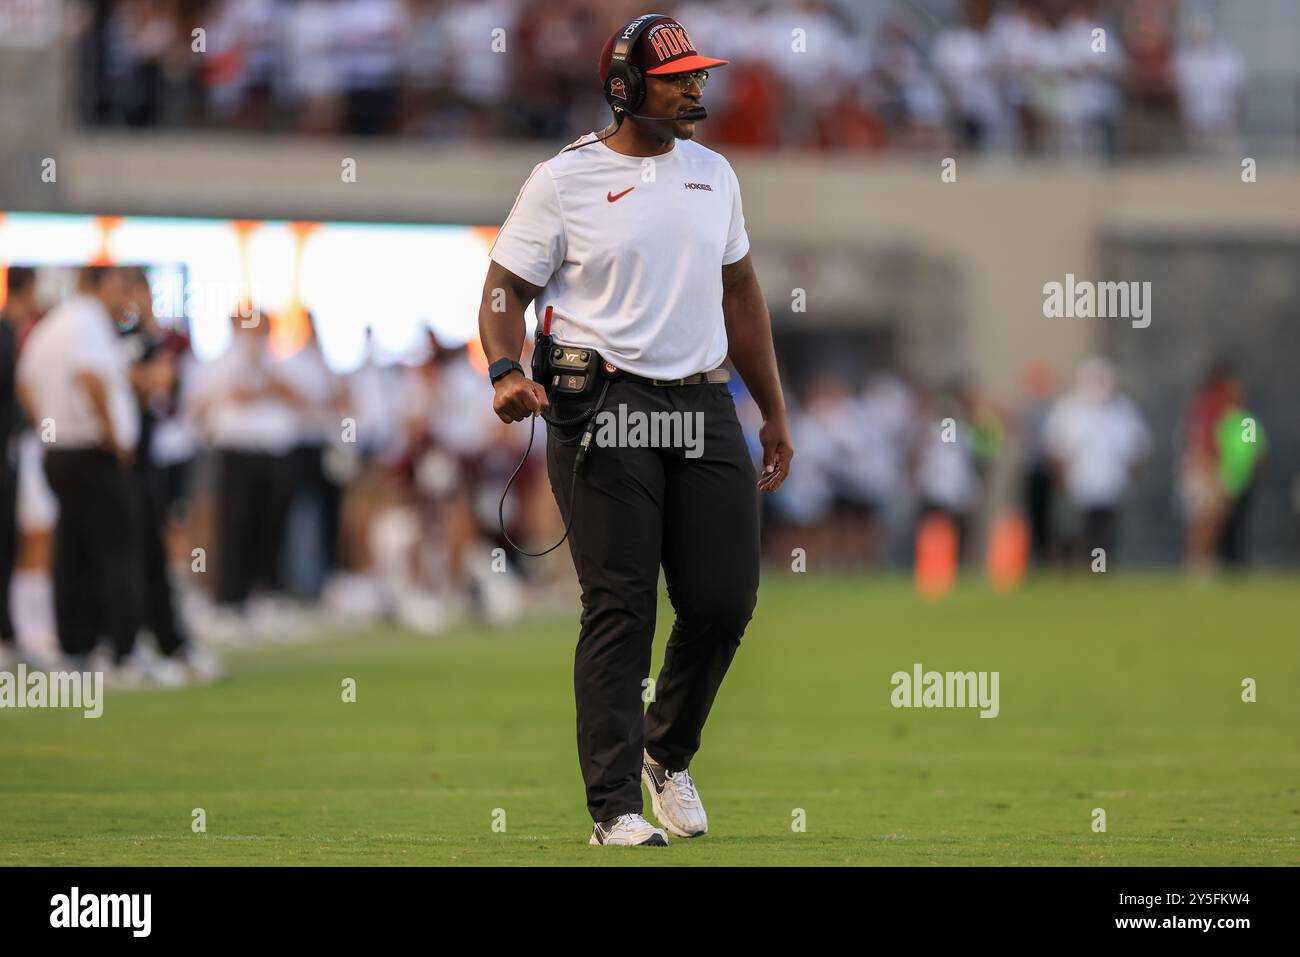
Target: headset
[
  {"x": 625, "y": 87},
  {"x": 625, "y": 83}
]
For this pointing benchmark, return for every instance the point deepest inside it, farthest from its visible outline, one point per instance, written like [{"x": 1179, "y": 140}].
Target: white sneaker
[
  {"x": 128, "y": 676},
  {"x": 204, "y": 666},
  {"x": 628, "y": 829},
  {"x": 168, "y": 673},
  {"x": 676, "y": 803}
]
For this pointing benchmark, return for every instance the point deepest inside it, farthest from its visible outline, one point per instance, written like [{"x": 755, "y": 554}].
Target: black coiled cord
[{"x": 590, "y": 418}]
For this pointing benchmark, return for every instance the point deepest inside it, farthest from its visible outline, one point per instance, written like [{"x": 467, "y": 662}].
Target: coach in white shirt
[
  {"x": 250, "y": 412},
  {"x": 74, "y": 381},
  {"x": 1097, "y": 440},
  {"x": 635, "y": 241}
]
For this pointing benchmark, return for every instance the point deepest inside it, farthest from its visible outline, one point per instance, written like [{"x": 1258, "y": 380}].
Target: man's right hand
[{"x": 518, "y": 397}]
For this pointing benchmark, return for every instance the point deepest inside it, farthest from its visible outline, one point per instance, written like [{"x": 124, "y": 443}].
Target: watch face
[{"x": 500, "y": 368}]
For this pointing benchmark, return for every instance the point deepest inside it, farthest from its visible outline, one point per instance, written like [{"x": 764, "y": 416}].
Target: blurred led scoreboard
[{"x": 396, "y": 279}]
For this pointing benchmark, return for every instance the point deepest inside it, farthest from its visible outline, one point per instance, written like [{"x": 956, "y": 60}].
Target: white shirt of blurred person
[
  {"x": 451, "y": 402},
  {"x": 1021, "y": 44},
  {"x": 319, "y": 417},
  {"x": 472, "y": 70},
  {"x": 945, "y": 470},
  {"x": 73, "y": 355},
  {"x": 369, "y": 36},
  {"x": 312, "y": 65},
  {"x": 1211, "y": 78},
  {"x": 964, "y": 60},
  {"x": 242, "y": 399},
  {"x": 1097, "y": 438},
  {"x": 242, "y": 37},
  {"x": 1089, "y": 94},
  {"x": 832, "y": 57},
  {"x": 375, "y": 394}
]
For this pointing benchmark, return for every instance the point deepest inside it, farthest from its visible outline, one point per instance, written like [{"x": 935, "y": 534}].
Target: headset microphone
[{"x": 692, "y": 115}]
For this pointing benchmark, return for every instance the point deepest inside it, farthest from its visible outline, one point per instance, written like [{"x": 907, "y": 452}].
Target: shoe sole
[
  {"x": 658, "y": 810},
  {"x": 654, "y": 840}
]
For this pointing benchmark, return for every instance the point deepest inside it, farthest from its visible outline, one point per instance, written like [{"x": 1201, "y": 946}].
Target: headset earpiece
[{"x": 625, "y": 83}]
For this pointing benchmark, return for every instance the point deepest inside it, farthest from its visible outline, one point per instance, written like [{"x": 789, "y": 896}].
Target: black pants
[
  {"x": 323, "y": 500},
  {"x": 148, "y": 487},
  {"x": 635, "y": 509},
  {"x": 253, "y": 494},
  {"x": 8, "y": 540},
  {"x": 1038, "y": 506},
  {"x": 95, "y": 560},
  {"x": 1100, "y": 530},
  {"x": 1232, "y": 537}
]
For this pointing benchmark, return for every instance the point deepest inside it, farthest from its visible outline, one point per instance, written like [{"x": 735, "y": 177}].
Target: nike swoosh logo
[
  {"x": 614, "y": 199},
  {"x": 654, "y": 779}
]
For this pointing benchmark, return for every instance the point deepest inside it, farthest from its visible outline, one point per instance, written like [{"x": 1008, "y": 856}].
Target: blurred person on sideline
[
  {"x": 1223, "y": 449},
  {"x": 949, "y": 458},
  {"x": 154, "y": 376},
  {"x": 1089, "y": 106},
  {"x": 242, "y": 45},
  {"x": 248, "y": 411},
  {"x": 1150, "y": 122},
  {"x": 1097, "y": 439},
  {"x": 19, "y": 309},
  {"x": 368, "y": 51},
  {"x": 1211, "y": 80},
  {"x": 963, "y": 58},
  {"x": 31, "y": 593},
  {"x": 313, "y": 78},
  {"x": 74, "y": 382},
  {"x": 457, "y": 446},
  {"x": 1038, "y": 383},
  {"x": 313, "y": 524}
]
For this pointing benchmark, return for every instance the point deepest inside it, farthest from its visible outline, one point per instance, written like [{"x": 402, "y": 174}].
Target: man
[
  {"x": 249, "y": 411},
  {"x": 154, "y": 377},
  {"x": 1096, "y": 439},
  {"x": 20, "y": 309},
  {"x": 635, "y": 241},
  {"x": 74, "y": 382}
]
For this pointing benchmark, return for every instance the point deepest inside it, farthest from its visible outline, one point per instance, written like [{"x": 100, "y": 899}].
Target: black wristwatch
[{"x": 503, "y": 367}]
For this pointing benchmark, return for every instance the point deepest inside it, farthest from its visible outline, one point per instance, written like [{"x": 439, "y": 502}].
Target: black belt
[{"x": 713, "y": 376}]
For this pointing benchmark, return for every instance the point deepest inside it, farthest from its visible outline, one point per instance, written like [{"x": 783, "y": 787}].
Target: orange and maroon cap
[{"x": 663, "y": 48}]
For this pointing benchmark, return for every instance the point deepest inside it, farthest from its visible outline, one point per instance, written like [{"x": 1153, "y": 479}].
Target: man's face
[
  {"x": 115, "y": 290},
  {"x": 671, "y": 95}
]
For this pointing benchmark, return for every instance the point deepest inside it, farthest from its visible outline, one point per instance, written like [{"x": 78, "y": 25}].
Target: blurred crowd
[
  {"x": 268, "y": 497},
  {"x": 263, "y": 496},
  {"x": 873, "y": 464},
  {"x": 1072, "y": 77}
]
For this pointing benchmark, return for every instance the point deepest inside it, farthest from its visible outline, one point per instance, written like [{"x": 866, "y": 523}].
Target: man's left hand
[{"x": 778, "y": 450}]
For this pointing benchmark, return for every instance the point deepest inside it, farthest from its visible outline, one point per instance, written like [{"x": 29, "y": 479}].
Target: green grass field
[{"x": 1123, "y": 695}]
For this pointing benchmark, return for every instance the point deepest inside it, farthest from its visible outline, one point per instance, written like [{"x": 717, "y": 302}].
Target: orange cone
[
  {"x": 1008, "y": 552},
  {"x": 936, "y": 557}
]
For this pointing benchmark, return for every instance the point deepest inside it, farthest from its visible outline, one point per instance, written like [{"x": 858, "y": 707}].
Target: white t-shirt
[
  {"x": 78, "y": 336},
  {"x": 306, "y": 370},
  {"x": 266, "y": 424},
  {"x": 1098, "y": 443},
  {"x": 629, "y": 251}
]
